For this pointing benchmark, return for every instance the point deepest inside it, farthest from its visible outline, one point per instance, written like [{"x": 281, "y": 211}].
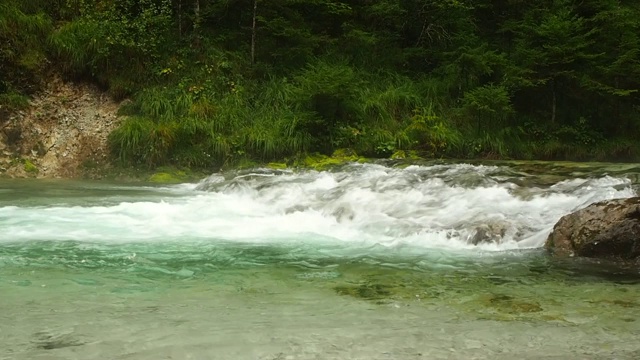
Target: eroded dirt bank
[{"x": 63, "y": 133}]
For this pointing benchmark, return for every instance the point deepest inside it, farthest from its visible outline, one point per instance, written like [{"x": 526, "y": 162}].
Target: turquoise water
[{"x": 368, "y": 262}]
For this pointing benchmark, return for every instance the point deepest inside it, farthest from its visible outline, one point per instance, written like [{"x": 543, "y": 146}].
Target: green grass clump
[
  {"x": 13, "y": 101},
  {"x": 30, "y": 167}
]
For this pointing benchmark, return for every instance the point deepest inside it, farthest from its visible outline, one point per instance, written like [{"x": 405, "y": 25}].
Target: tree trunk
[
  {"x": 180, "y": 19},
  {"x": 553, "y": 102},
  {"x": 196, "y": 13},
  {"x": 196, "y": 23},
  {"x": 253, "y": 33}
]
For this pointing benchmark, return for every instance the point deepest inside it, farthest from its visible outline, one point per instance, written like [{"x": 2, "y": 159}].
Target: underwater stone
[
  {"x": 365, "y": 291},
  {"x": 511, "y": 305}
]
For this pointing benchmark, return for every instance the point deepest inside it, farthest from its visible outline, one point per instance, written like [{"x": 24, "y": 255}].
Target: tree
[{"x": 554, "y": 46}]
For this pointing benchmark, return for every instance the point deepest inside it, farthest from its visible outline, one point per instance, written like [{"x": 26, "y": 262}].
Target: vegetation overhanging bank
[{"x": 222, "y": 82}]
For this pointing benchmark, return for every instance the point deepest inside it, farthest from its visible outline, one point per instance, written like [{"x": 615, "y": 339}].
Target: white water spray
[{"x": 443, "y": 206}]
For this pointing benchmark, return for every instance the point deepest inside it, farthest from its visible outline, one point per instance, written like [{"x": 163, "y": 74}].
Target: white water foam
[{"x": 425, "y": 206}]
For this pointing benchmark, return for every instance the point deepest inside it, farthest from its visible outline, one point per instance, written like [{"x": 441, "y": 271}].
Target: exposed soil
[{"x": 63, "y": 133}]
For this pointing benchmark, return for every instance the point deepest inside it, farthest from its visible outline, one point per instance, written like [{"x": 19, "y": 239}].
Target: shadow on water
[{"x": 595, "y": 270}]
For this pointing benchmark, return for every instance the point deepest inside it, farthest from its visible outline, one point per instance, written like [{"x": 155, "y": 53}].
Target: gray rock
[
  {"x": 608, "y": 229},
  {"x": 489, "y": 233}
]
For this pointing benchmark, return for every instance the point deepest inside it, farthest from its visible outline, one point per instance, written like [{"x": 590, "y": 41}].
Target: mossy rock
[
  {"x": 345, "y": 154},
  {"x": 167, "y": 178},
  {"x": 403, "y": 155},
  {"x": 30, "y": 167},
  {"x": 276, "y": 166},
  {"x": 321, "y": 162},
  {"x": 413, "y": 155},
  {"x": 398, "y": 155}
]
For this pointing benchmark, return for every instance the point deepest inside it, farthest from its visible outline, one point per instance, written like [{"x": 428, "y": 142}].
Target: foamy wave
[{"x": 425, "y": 206}]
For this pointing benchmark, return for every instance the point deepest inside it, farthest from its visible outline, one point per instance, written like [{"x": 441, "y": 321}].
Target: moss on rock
[
  {"x": 398, "y": 155},
  {"x": 321, "y": 162},
  {"x": 30, "y": 167},
  {"x": 168, "y": 178},
  {"x": 349, "y": 154},
  {"x": 276, "y": 166}
]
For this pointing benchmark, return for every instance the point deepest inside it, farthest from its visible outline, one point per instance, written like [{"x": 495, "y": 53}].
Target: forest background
[{"x": 215, "y": 82}]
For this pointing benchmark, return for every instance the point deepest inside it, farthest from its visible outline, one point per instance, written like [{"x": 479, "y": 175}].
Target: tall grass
[
  {"x": 131, "y": 140},
  {"x": 78, "y": 46},
  {"x": 208, "y": 130},
  {"x": 163, "y": 103},
  {"x": 12, "y": 101},
  {"x": 324, "y": 106}
]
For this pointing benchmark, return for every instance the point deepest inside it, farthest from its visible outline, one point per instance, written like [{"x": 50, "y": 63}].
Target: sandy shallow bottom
[{"x": 347, "y": 311}]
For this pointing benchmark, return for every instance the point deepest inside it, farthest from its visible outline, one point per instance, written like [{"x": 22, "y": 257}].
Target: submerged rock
[
  {"x": 489, "y": 233},
  {"x": 365, "y": 291},
  {"x": 511, "y": 305},
  {"x": 607, "y": 229}
]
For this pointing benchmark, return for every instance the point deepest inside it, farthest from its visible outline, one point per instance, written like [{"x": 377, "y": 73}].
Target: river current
[{"x": 367, "y": 261}]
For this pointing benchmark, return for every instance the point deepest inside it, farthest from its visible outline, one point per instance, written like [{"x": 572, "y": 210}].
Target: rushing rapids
[{"x": 438, "y": 206}]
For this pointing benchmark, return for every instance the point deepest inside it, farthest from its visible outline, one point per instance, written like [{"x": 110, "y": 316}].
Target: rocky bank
[{"x": 62, "y": 134}]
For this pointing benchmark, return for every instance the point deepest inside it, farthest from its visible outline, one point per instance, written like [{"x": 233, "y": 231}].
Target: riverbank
[
  {"x": 66, "y": 132},
  {"x": 205, "y": 86}
]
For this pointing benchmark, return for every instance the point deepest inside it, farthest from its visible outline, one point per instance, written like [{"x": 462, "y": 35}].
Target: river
[{"x": 368, "y": 261}]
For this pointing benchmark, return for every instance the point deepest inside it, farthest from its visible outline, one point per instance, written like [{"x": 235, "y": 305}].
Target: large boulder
[{"x": 607, "y": 229}]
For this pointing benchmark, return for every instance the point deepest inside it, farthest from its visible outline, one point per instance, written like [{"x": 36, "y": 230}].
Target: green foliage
[
  {"x": 22, "y": 50},
  {"x": 130, "y": 141},
  {"x": 431, "y": 133},
  {"x": 114, "y": 43},
  {"x": 79, "y": 46},
  {"x": 211, "y": 83},
  {"x": 328, "y": 90},
  {"x": 490, "y": 105},
  {"x": 30, "y": 167},
  {"x": 12, "y": 101}
]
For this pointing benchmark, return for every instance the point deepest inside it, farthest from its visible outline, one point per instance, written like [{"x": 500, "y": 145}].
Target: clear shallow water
[{"x": 369, "y": 262}]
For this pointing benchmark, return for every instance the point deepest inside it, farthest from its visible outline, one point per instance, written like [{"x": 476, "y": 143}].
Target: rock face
[
  {"x": 607, "y": 229},
  {"x": 63, "y": 133}
]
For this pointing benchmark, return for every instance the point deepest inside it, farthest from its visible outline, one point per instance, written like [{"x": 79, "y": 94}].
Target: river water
[{"x": 369, "y": 261}]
